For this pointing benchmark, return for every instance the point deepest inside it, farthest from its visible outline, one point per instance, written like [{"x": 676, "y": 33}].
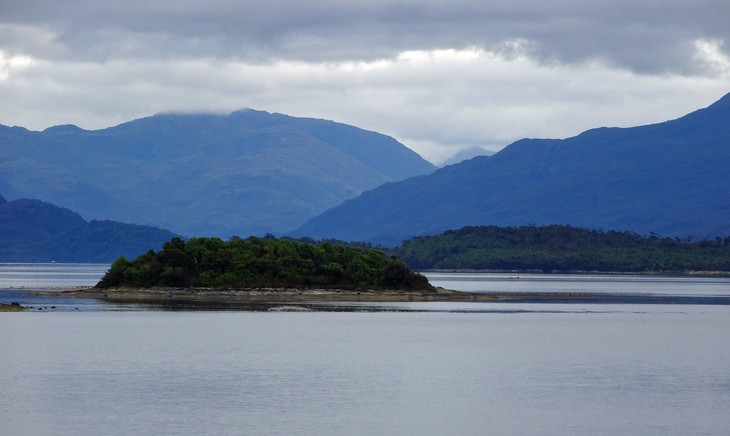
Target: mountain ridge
[
  {"x": 666, "y": 178},
  {"x": 247, "y": 172},
  {"x": 36, "y": 231}
]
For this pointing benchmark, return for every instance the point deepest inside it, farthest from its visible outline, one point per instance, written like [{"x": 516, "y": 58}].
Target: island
[
  {"x": 264, "y": 270},
  {"x": 209, "y": 273}
]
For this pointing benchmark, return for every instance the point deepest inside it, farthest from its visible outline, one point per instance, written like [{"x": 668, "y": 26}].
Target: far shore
[{"x": 709, "y": 274}]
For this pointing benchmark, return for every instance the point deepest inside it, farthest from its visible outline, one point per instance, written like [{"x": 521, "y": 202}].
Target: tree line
[
  {"x": 262, "y": 262},
  {"x": 562, "y": 248}
]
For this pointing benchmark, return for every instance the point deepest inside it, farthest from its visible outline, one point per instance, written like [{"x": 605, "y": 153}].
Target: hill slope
[
  {"x": 669, "y": 178},
  {"x": 34, "y": 231},
  {"x": 249, "y": 172}
]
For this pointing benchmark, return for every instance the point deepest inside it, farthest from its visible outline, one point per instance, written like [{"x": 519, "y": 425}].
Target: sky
[{"x": 439, "y": 76}]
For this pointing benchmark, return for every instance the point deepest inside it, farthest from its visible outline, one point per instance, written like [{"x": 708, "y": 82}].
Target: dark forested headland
[
  {"x": 562, "y": 248},
  {"x": 262, "y": 262},
  {"x": 35, "y": 231}
]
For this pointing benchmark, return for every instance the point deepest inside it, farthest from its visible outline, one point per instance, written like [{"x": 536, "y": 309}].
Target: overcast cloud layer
[{"x": 437, "y": 75}]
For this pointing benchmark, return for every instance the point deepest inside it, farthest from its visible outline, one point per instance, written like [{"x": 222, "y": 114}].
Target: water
[
  {"x": 45, "y": 275},
  {"x": 595, "y": 283},
  {"x": 441, "y": 368},
  {"x": 330, "y": 373},
  {"x": 23, "y": 282}
]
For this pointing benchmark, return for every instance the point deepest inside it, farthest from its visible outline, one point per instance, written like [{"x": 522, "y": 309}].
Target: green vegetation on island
[
  {"x": 562, "y": 248},
  {"x": 262, "y": 262}
]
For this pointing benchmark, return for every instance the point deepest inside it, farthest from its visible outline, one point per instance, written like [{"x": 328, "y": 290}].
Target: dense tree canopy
[
  {"x": 262, "y": 262},
  {"x": 562, "y": 248}
]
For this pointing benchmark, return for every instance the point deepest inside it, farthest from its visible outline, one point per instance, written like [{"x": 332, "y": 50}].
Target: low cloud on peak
[{"x": 454, "y": 76}]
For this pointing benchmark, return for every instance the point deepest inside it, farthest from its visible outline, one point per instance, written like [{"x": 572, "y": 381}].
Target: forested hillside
[
  {"x": 34, "y": 231},
  {"x": 562, "y": 248}
]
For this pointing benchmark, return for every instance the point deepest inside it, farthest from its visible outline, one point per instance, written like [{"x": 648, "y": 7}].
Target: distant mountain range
[
  {"x": 246, "y": 173},
  {"x": 34, "y": 231},
  {"x": 671, "y": 178}
]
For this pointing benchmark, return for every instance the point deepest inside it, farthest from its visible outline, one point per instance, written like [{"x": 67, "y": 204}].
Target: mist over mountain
[
  {"x": 467, "y": 154},
  {"x": 670, "y": 178},
  {"x": 34, "y": 231},
  {"x": 249, "y": 172}
]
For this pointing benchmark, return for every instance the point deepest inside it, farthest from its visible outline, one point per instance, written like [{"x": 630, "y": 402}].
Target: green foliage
[
  {"x": 262, "y": 262},
  {"x": 562, "y": 248}
]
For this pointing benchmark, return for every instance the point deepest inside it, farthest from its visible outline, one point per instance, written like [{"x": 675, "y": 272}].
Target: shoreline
[
  {"x": 12, "y": 307},
  {"x": 236, "y": 296},
  {"x": 264, "y": 295}
]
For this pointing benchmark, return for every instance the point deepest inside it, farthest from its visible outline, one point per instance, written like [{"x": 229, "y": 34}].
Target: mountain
[
  {"x": 670, "y": 178},
  {"x": 249, "y": 172},
  {"x": 467, "y": 154},
  {"x": 34, "y": 231}
]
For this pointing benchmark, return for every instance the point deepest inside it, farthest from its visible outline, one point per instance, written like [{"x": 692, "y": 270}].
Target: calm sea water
[
  {"x": 45, "y": 275},
  {"x": 461, "y": 368},
  {"x": 598, "y": 283}
]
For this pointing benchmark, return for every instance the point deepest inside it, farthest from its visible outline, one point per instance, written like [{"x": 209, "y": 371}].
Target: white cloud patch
[
  {"x": 13, "y": 65},
  {"x": 710, "y": 52}
]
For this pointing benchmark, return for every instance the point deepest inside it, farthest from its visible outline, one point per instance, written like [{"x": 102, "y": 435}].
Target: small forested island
[
  {"x": 265, "y": 269},
  {"x": 262, "y": 262},
  {"x": 562, "y": 248}
]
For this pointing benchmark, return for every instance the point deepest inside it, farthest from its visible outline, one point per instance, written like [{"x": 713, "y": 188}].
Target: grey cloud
[
  {"x": 528, "y": 69},
  {"x": 643, "y": 36}
]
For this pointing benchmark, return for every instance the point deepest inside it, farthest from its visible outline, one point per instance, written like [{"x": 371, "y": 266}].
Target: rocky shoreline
[
  {"x": 12, "y": 307},
  {"x": 237, "y": 295}
]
